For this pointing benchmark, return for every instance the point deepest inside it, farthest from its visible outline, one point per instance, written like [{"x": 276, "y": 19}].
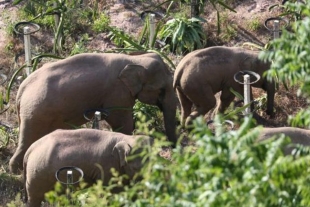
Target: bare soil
[{"x": 127, "y": 17}]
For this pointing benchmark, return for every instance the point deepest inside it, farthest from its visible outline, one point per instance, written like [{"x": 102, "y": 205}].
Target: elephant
[
  {"x": 56, "y": 95},
  {"x": 297, "y": 136},
  {"x": 85, "y": 149},
  {"x": 204, "y": 72}
]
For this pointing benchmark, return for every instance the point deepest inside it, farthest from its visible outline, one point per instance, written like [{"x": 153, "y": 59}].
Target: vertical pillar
[
  {"x": 152, "y": 29},
  {"x": 276, "y": 30},
  {"x": 27, "y": 50},
  {"x": 69, "y": 182},
  {"x": 247, "y": 97},
  {"x": 97, "y": 118}
]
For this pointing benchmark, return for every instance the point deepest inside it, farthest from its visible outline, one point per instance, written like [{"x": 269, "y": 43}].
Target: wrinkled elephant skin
[
  {"x": 297, "y": 136},
  {"x": 56, "y": 95},
  {"x": 93, "y": 151},
  {"x": 203, "y": 73}
]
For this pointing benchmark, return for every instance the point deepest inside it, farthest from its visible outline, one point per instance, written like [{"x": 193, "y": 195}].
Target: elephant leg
[
  {"x": 269, "y": 87},
  {"x": 29, "y": 132},
  {"x": 121, "y": 120},
  {"x": 203, "y": 99},
  {"x": 35, "y": 201},
  {"x": 35, "y": 191},
  {"x": 186, "y": 106},
  {"x": 226, "y": 98}
]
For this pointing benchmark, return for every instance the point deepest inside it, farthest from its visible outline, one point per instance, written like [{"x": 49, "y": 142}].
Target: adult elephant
[
  {"x": 56, "y": 95},
  {"x": 203, "y": 73}
]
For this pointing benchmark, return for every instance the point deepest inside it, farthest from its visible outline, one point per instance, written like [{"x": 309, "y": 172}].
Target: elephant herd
[{"x": 53, "y": 99}]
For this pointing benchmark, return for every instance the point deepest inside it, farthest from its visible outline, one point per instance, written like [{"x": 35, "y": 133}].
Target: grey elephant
[
  {"x": 56, "y": 95},
  {"x": 81, "y": 148},
  {"x": 203, "y": 73},
  {"x": 297, "y": 136}
]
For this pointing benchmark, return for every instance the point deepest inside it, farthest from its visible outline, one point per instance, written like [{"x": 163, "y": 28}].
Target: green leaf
[
  {"x": 15, "y": 2},
  {"x": 12, "y": 81}
]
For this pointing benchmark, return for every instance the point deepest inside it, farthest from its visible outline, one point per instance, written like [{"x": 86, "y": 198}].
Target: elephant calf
[
  {"x": 297, "y": 135},
  {"x": 203, "y": 73},
  {"x": 82, "y": 148}
]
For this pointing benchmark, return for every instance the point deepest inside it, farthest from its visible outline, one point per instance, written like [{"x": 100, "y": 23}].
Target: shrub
[
  {"x": 290, "y": 58},
  {"x": 183, "y": 35},
  {"x": 224, "y": 169},
  {"x": 101, "y": 24}
]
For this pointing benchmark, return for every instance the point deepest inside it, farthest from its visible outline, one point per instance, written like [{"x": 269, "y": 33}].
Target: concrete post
[
  {"x": 152, "y": 29},
  {"x": 69, "y": 182},
  {"x": 247, "y": 96},
  {"x": 27, "y": 45},
  {"x": 276, "y": 29},
  {"x": 97, "y": 118}
]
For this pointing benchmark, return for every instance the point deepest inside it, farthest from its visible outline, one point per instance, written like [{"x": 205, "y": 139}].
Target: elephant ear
[
  {"x": 133, "y": 77},
  {"x": 121, "y": 150},
  {"x": 248, "y": 63}
]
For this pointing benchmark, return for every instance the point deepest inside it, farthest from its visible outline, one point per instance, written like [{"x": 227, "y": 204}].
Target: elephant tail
[
  {"x": 176, "y": 79},
  {"x": 25, "y": 176}
]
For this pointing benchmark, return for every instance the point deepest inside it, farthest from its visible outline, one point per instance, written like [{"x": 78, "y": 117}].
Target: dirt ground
[{"x": 126, "y": 17}]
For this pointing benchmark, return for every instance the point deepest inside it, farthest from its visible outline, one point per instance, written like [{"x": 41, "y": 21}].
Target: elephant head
[
  {"x": 121, "y": 151},
  {"x": 252, "y": 62},
  {"x": 153, "y": 85}
]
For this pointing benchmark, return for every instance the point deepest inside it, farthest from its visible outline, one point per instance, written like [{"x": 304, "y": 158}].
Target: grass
[
  {"x": 254, "y": 24},
  {"x": 228, "y": 31},
  {"x": 11, "y": 188}
]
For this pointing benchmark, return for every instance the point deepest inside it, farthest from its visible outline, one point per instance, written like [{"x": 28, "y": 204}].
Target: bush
[
  {"x": 101, "y": 24},
  {"x": 183, "y": 35},
  {"x": 225, "y": 169},
  {"x": 290, "y": 58}
]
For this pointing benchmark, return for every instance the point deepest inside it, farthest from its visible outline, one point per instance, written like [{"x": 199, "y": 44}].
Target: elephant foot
[
  {"x": 271, "y": 114},
  {"x": 15, "y": 167}
]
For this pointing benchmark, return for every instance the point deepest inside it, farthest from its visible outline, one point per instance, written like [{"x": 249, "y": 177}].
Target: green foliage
[
  {"x": 18, "y": 202},
  {"x": 130, "y": 44},
  {"x": 183, "y": 35},
  {"x": 35, "y": 61},
  {"x": 148, "y": 113},
  {"x": 100, "y": 24},
  {"x": 288, "y": 11},
  {"x": 67, "y": 18},
  {"x": 215, "y": 3},
  {"x": 222, "y": 169},
  {"x": 121, "y": 39},
  {"x": 79, "y": 46},
  {"x": 254, "y": 24},
  {"x": 4, "y": 138},
  {"x": 228, "y": 31},
  {"x": 290, "y": 56},
  {"x": 6, "y": 135}
]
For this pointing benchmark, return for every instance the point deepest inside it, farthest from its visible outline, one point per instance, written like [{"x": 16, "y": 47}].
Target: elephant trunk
[{"x": 169, "y": 111}]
